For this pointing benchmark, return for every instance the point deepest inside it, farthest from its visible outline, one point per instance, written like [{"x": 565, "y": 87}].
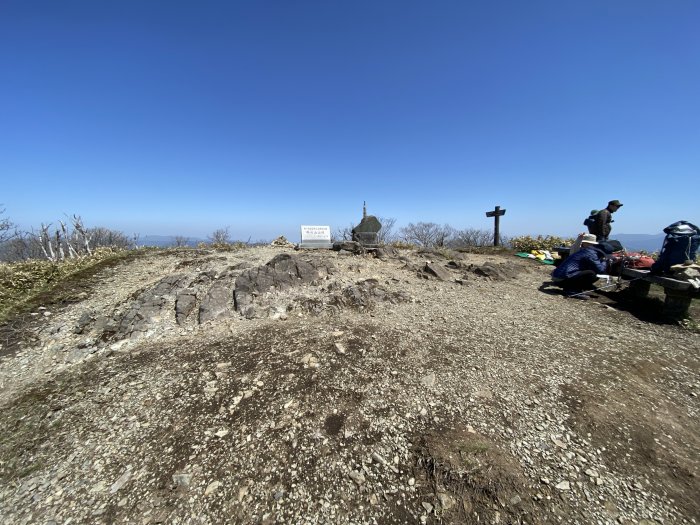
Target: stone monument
[{"x": 367, "y": 232}]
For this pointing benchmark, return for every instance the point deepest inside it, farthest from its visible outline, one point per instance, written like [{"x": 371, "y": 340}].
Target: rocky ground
[{"x": 271, "y": 386}]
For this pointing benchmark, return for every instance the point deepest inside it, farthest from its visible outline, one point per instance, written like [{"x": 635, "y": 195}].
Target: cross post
[{"x": 496, "y": 214}]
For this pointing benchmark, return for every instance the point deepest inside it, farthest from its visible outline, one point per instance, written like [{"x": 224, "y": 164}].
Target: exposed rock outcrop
[{"x": 281, "y": 273}]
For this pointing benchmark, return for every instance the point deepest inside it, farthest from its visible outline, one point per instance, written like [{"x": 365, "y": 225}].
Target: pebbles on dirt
[{"x": 346, "y": 389}]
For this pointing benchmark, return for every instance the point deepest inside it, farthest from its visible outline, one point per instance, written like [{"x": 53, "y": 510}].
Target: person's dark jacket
[
  {"x": 601, "y": 229},
  {"x": 587, "y": 258}
]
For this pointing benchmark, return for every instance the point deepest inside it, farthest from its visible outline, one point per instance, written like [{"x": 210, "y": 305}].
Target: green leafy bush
[{"x": 527, "y": 243}]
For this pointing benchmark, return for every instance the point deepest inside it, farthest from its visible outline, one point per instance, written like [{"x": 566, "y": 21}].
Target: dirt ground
[{"x": 478, "y": 397}]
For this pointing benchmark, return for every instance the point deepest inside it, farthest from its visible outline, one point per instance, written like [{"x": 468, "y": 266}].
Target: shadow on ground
[{"x": 648, "y": 309}]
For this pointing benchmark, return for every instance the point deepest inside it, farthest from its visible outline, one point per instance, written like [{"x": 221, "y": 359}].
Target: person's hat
[
  {"x": 589, "y": 238},
  {"x": 615, "y": 203}
]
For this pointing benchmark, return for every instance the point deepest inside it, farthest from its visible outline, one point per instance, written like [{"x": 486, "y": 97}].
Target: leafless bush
[
  {"x": 7, "y": 228},
  {"x": 220, "y": 236},
  {"x": 65, "y": 241},
  {"x": 387, "y": 234},
  {"x": 181, "y": 241},
  {"x": 112, "y": 238},
  {"x": 427, "y": 234},
  {"x": 21, "y": 247},
  {"x": 62, "y": 243},
  {"x": 342, "y": 234},
  {"x": 471, "y": 237}
]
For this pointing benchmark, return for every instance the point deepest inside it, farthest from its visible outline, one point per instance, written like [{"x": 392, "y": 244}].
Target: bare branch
[{"x": 78, "y": 226}]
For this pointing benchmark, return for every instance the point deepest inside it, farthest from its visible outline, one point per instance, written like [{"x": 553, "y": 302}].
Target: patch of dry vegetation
[{"x": 22, "y": 282}]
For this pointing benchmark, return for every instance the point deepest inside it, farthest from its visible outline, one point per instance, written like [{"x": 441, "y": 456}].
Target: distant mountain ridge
[
  {"x": 637, "y": 242},
  {"x": 631, "y": 241}
]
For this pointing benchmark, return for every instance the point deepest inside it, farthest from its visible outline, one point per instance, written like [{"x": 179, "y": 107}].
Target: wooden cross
[{"x": 496, "y": 214}]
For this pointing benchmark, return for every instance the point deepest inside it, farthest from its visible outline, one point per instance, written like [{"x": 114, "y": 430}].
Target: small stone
[
  {"x": 222, "y": 433},
  {"x": 123, "y": 480},
  {"x": 182, "y": 480},
  {"x": 428, "y": 380},
  {"x": 446, "y": 500},
  {"x": 373, "y": 499},
  {"x": 357, "y": 477},
  {"x": 484, "y": 394},
  {"x": 378, "y": 459},
  {"x": 558, "y": 442},
  {"x": 411, "y": 482},
  {"x": 563, "y": 485},
  {"x": 591, "y": 473},
  {"x": 212, "y": 487},
  {"x": 310, "y": 360},
  {"x": 427, "y": 506},
  {"x": 242, "y": 493},
  {"x": 611, "y": 509}
]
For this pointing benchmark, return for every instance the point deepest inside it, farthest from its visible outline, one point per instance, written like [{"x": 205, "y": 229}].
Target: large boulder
[{"x": 436, "y": 271}]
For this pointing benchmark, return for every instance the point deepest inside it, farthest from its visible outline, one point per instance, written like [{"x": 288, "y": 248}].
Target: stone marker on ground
[{"x": 315, "y": 237}]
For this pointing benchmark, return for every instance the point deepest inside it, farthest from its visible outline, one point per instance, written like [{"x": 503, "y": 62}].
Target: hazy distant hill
[
  {"x": 163, "y": 241},
  {"x": 640, "y": 241}
]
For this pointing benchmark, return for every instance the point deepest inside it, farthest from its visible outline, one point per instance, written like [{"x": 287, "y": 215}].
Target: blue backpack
[{"x": 680, "y": 245}]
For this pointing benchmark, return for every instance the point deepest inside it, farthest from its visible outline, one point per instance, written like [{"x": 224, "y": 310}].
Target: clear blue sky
[{"x": 184, "y": 117}]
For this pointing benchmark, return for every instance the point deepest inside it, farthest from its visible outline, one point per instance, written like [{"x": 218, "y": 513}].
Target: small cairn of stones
[{"x": 282, "y": 242}]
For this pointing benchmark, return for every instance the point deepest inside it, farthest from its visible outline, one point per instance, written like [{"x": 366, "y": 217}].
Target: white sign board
[
  {"x": 315, "y": 236},
  {"x": 315, "y": 233}
]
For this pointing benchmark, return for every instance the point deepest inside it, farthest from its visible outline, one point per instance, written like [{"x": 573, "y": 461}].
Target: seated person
[{"x": 579, "y": 271}]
